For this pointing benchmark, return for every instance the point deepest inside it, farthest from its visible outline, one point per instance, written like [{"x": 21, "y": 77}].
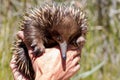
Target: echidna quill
[{"x": 47, "y": 26}]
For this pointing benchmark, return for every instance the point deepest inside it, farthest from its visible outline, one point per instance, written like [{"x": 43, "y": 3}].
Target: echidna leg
[{"x": 34, "y": 37}]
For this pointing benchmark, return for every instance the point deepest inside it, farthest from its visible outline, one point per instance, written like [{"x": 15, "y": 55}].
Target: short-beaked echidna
[{"x": 47, "y": 26}]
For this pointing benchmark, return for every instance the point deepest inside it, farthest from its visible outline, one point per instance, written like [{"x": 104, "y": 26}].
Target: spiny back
[{"x": 49, "y": 15}]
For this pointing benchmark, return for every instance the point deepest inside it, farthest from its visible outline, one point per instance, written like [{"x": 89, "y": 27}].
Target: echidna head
[{"x": 62, "y": 32}]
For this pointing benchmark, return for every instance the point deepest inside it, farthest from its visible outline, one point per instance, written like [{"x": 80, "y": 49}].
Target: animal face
[{"x": 63, "y": 31}]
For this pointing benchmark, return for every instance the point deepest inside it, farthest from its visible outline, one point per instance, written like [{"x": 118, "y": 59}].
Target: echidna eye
[{"x": 56, "y": 36}]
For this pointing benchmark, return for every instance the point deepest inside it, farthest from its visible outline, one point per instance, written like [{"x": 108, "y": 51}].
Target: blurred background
[{"x": 100, "y": 58}]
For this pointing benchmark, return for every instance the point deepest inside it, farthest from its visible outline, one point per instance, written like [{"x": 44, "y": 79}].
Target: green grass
[{"x": 100, "y": 57}]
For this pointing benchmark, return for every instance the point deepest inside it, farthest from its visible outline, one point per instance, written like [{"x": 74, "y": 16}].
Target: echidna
[{"x": 47, "y": 26}]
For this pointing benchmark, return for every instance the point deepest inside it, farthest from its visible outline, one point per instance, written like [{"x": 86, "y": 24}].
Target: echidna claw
[
  {"x": 36, "y": 51},
  {"x": 33, "y": 45}
]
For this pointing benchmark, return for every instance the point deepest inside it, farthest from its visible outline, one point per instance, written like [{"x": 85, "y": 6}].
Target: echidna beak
[{"x": 63, "y": 47}]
